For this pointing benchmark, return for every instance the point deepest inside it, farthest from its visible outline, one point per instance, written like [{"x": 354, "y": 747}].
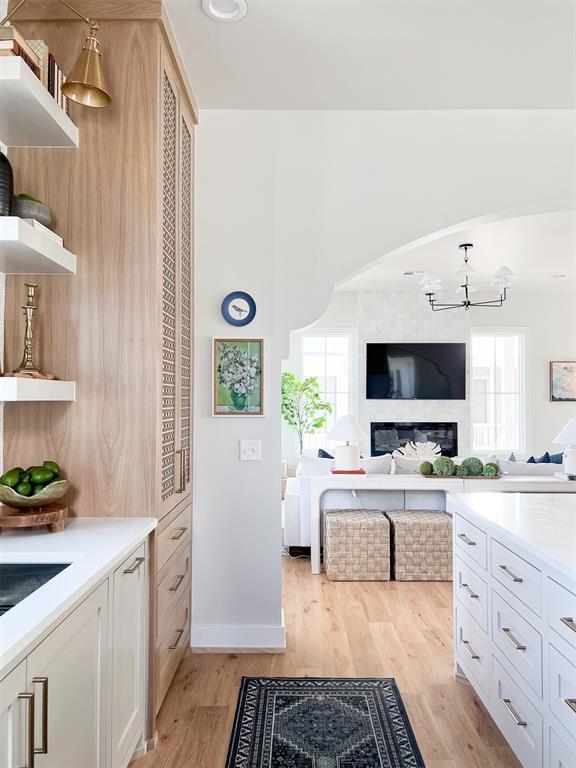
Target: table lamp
[
  {"x": 567, "y": 437},
  {"x": 347, "y": 457}
]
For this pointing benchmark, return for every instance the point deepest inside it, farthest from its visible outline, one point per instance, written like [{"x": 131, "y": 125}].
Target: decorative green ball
[
  {"x": 490, "y": 471},
  {"x": 493, "y": 464},
  {"x": 461, "y": 471},
  {"x": 426, "y": 468},
  {"x": 473, "y": 465},
  {"x": 444, "y": 467}
]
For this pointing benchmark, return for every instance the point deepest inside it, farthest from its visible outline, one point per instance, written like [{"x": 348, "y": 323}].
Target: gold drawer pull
[
  {"x": 572, "y": 704},
  {"x": 471, "y": 593},
  {"x": 180, "y": 474},
  {"x": 137, "y": 563},
  {"x": 179, "y": 533},
  {"x": 508, "y": 573},
  {"x": 176, "y": 587},
  {"x": 29, "y": 699},
  {"x": 179, "y": 632},
  {"x": 466, "y": 540},
  {"x": 509, "y": 636},
  {"x": 43, "y": 681},
  {"x": 569, "y": 622},
  {"x": 471, "y": 653},
  {"x": 507, "y": 703}
]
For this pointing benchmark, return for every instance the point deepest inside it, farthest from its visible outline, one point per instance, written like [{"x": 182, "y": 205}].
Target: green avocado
[
  {"x": 24, "y": 489},
  {"x": 11, "y": 478},
  {"x": 41, "y": 476},
  {"x": 37, "y": 489},
  {"x": 52, "y": 466}
]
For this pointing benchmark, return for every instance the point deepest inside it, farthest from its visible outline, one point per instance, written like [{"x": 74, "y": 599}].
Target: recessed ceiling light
[
  {"x": 411, "y": 272},
  {"x": 225, "y": 10},
  {"x": 558, "y": 277}
]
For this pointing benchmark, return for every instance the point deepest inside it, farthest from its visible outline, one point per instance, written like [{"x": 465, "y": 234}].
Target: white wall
[
  {"x": 548, "y": 319},
  {"x": 287, "y": 204}
]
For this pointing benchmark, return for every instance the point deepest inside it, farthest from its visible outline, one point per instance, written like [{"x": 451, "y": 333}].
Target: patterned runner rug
[{"x": 307, "y": 722}]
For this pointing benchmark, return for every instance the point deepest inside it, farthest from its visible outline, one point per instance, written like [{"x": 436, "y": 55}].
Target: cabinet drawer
[
  {"x": 173, "y": 641},
  {"x": 471, "y": 591},
  {"x": 561, "y": 756},
  {"x": 563, "y": 689},
  {"x": 471, "y": 540},
  {"x": 175, "y": 582},
  {"x": 517, "y": 718},
  {"x": 177, "y": 528},
  {"x": 562, "y": 611},
  {"x": 518, "y": 641},
  {"x": 473, "y": 649},
  {"x": 518, "y": 576}
]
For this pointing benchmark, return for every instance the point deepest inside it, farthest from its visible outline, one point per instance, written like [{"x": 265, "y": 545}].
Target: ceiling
[
  {"x": 534, "y": 247},
  {"x": 381, "y": 55}
]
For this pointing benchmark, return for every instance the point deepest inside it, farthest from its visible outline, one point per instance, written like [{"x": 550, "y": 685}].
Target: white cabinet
[
  {"x": 129, "y": 653},
  {"x": 15, "y": 716},
  {"x": 67, "y": 674}
]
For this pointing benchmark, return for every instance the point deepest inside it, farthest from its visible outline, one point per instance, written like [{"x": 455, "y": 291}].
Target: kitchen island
[{"x": 515, "y": 617}]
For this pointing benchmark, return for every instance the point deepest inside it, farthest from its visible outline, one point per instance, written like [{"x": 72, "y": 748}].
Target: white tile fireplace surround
[{"x": 395, "y": 317}]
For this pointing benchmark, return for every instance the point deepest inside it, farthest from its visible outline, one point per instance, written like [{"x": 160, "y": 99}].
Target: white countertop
[
  {"x": 93, "y": 546},
  {"x": 543, "y": 523}
]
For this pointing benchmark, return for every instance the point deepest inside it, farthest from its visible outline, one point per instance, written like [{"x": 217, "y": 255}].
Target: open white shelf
[
  {"x": 25, "y": 250},
  {"x": 29, "y": 116},
  {"x": 19, "y": 390}
]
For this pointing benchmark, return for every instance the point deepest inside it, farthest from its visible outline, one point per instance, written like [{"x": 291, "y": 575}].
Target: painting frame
[
  {"x": 563, "y": 382},
  {"x": 223, "y": 401}
]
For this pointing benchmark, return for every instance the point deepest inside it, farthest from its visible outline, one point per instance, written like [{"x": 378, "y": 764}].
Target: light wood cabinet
[
  {"x": 15, "y": 712},
  {"x": 67, "y": 674},
  {"x": 128, "y": 662}
]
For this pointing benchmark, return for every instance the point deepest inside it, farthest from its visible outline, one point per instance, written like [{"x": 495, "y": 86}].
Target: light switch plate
[{"x": 250, "y": 450}]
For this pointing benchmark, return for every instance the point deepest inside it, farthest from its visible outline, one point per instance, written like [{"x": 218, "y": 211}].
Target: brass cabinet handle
[
  {"x": 179, "y": 632},
  {"x": 572, "y": 704},
  {"x": 471, "y": 593},
  {"x": 137, "y": 563},
  {"x": 29, "y": 699},
  {"x": 509, "y": 636},
  {"x": 569, "y": 622},
  {"x": 508, "y": 573},
  {"x": 466, "y": 540},
  {"x": 43, "y": 681},
  {"x": 180, "y": 489},
  {"x": 179, "y": 533},
  {"x": 511, "y": 711},
  {"x": 471, "y": 653},
  {"x": 176, "y": 587}
]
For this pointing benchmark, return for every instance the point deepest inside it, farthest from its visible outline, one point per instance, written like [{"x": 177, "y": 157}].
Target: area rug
[{"x": 306, "y": 722}]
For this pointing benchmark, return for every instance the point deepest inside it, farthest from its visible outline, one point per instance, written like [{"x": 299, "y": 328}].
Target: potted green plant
[{"x": 302, "y": 406}]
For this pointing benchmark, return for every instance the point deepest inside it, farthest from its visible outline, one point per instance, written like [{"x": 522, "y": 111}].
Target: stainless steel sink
[{"x": 18, "y": 580}]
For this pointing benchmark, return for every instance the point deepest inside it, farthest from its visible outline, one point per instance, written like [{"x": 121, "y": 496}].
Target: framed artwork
[
  {"x": 238, "y": 388},
  {"x": 563, "y": 381}
]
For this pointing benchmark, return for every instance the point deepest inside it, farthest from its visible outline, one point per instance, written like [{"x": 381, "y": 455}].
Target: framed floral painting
[
  {"x": 563, "y": 381},
  {"x": 238, "y": 377}
]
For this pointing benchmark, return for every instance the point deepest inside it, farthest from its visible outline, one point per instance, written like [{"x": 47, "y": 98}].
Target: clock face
[{"x": 238, "y": 308}]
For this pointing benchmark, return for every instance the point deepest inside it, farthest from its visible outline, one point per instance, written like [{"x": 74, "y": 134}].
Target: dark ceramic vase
[{"x": 6, "y": 186}]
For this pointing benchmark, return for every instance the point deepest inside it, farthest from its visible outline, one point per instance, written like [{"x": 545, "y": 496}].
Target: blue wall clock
[{"x": 238, "y": 308}]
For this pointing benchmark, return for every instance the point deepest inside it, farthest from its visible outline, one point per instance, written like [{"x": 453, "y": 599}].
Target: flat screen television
[{"x": 416, "y": 371}]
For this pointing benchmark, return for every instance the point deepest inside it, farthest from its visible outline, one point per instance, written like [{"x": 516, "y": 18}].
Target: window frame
[{"x": 523, "y": 384}]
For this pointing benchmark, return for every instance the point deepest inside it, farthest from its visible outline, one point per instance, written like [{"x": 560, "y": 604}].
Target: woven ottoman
[
  {"x": 421, "y": 545},
  {"x": 356, "y": 545}
]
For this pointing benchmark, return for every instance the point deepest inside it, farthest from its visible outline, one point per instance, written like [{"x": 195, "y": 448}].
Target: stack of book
[{"x": 36, "y": 55}]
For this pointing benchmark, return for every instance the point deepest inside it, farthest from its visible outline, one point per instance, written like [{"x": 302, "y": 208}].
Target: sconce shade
[{"x": 86, "y": 83}]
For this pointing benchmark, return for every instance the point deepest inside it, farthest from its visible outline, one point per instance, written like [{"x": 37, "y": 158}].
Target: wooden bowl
[{"x": 51, "y": 493}]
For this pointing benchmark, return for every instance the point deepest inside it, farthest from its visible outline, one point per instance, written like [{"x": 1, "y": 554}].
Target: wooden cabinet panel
[
  {"x": 14, "y": 719},
  {"x": 67, "y": 673}
]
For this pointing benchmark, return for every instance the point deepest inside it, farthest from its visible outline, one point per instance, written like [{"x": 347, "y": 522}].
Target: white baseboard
[{"x": 238, "y": 637}]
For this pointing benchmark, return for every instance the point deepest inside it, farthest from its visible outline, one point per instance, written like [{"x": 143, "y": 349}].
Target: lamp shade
[
  {"x": 86, "y": 84},
  {"x": 567, "y": 436},
  {"x": 348, "y": 430}
]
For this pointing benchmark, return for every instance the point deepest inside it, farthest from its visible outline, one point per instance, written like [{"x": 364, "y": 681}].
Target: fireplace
[{"x": 387, "y": 436}]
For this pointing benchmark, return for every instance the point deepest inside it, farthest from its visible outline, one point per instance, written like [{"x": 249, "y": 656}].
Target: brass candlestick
[{"x": 27, "y": 365}]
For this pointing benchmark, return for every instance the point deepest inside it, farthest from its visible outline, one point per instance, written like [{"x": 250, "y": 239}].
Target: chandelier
[{"x": 502, "y": 280}]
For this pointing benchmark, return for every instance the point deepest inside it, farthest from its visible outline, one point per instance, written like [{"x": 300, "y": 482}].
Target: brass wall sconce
[{"x": 86, "y": 83}]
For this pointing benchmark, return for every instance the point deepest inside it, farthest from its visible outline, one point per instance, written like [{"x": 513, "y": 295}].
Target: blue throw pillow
[
  {"x": 556, "y": 458},
  {"x": 544, "y": 459},
  {"x": 322, "y": 454},
  {"x": 512, "y": 457},
  {"x": 531, "y": 460}
]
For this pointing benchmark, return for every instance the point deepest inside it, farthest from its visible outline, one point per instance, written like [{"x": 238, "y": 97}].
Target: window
[
  {"x": 497, "y": 363},
  {"x": 327, "y": 357}
]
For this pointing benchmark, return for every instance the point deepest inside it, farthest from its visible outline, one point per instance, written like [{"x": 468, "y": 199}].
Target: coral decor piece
[{"x": 418, "y": 450}]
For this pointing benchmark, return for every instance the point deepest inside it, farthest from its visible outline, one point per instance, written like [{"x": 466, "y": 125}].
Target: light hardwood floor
[{"x": 354, "y": 629}]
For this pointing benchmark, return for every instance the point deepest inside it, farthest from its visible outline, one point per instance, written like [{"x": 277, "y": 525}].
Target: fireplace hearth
[{"x": 388, "y": 436}]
